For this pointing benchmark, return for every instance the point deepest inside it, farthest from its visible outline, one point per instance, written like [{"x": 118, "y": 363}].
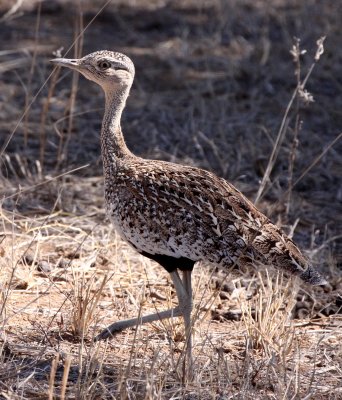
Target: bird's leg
[
  {"x": 184, "y": 294},
  {"x": 129, "y": 323},
  {"x": 187, "y": 313},
  {"x": 178, "y": 311}
]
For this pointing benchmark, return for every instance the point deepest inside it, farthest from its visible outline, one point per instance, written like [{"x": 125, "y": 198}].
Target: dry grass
[{"x": 213, "y": 83}]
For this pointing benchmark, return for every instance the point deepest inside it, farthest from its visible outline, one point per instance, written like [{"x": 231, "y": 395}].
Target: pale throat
[{"x": 112, "y": 141}]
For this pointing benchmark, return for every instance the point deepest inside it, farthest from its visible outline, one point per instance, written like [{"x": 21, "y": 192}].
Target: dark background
[{"x": 213, "y": 80}]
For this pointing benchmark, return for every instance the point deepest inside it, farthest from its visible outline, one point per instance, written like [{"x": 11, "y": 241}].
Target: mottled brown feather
[
  {"x": 171, "y": 211},
  {"x": 182, "y": 211}
]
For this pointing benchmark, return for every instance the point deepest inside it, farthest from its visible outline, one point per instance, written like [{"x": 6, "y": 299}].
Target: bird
[{"x": 175, "y": 214}]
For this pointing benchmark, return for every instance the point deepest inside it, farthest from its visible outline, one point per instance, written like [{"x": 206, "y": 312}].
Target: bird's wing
[{"x": 211, "y": 212}]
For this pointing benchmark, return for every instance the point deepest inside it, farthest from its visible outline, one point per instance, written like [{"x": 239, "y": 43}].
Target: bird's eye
[{"x": 104, "y": 64}]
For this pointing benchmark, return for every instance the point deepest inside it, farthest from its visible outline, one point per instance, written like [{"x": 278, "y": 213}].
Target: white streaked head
[{"x": 108, "y": 69}]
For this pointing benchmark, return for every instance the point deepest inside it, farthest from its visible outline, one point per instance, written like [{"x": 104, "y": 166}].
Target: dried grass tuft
[
  {"x": 85, "y": 297},
  {"x": 267, "y": 317}
]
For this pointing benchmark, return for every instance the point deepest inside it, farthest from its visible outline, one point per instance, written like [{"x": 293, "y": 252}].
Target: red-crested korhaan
[{"x": 173, "y": 214}]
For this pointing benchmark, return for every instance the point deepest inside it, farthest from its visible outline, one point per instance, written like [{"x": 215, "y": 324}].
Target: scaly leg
[
  {"x": 181, "y": 310},
  {"x": 128, "y": 323},
  {"x": 184, "y": 294}
]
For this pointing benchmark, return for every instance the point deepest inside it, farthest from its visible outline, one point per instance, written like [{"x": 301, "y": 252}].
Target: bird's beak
[{"x": 66, "y": 62}]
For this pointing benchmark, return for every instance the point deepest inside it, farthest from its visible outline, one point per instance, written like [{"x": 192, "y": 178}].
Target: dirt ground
[{"x": 213, "y": 87}]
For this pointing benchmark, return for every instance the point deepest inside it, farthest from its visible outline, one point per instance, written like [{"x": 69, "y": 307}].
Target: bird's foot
[{"x": 109, "y": 332}]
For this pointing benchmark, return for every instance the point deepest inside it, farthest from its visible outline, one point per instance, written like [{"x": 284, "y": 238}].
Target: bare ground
[{"x": 212, "y": 84}]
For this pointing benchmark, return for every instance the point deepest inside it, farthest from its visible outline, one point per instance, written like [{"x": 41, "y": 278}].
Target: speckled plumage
[
  {"x": 180, "y": 211},
  {"x": 177, "y": 214}
]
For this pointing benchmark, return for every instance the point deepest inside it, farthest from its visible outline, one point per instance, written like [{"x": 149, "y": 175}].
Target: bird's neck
[{"x": 113, "y": 144}]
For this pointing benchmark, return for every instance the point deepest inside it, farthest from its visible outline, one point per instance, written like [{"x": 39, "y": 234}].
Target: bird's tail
[
  {"x": 282, "y": 253},
  {"x": 310, "y": 275}
]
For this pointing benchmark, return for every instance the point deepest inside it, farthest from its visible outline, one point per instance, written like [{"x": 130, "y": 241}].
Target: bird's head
[{"x": 108, "y": 69}]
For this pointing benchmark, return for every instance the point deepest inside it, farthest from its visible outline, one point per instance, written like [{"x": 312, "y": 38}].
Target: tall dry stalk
[
  {"x": 299, "y": 93},
  {"x": 69, "y": 111},
  {"x": 31, "y": 74}
]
